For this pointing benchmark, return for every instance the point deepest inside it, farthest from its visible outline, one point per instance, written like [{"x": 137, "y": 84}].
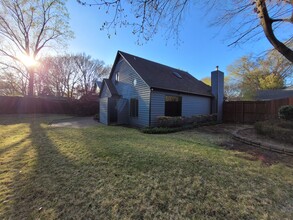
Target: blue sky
[{"x": 201, "y": 50}]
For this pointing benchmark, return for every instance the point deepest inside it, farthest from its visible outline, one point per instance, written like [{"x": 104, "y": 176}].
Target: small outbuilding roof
[
  {"x": 159, "y": 76},
  {"x": 271, "y": 94}
]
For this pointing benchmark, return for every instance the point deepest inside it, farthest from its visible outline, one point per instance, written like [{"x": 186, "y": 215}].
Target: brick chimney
[{"x": 217, "y": 81}]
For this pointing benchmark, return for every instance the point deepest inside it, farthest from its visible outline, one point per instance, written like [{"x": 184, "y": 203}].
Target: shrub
[
  {"x": 174, "y": 122},
  {"x": 160, "y": 130},
  {"x": 286, "y": 112},
  {"x": 276, "y": 129},
  {"x": 168, "y": 124}
]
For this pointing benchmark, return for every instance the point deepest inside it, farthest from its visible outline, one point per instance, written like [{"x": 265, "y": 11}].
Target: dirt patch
[
  {"x": 252, "y": 134},
  {"x": 76, "y": 122},
  {"x": 222, "y": 128},
  {"x": 267, "y": 157}
]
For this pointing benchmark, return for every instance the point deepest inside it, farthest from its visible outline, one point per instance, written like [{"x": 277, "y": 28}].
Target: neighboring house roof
[
  {"x": 90, "y": 97},
  {"x": 98, "y": 83},
  {"x": 110, "y": 86},
  {"x": 159, "y": 76},
  {"x": 270, "y": 94}
]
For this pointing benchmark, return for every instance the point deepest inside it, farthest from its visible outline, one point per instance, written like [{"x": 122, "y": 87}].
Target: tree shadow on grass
[
  {"x": 124, "y": 180},
  {"x": 49, "y": 182},
  {"x": 11, "y": 146}
]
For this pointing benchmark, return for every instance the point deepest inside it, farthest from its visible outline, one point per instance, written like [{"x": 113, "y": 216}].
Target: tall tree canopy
[
  {"x": 26, "y": 28},
  {"x": 249, "y": 18},
  {"x": 249, "y": 74}
]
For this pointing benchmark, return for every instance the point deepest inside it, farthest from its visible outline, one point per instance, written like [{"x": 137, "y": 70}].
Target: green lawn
[{"x": 119, "y": 173}]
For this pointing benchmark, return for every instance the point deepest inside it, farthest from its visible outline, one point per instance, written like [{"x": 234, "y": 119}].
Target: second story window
[{"x": 117, "y": 77}]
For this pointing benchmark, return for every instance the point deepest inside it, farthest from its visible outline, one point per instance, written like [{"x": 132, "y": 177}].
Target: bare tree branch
[
  {"x": 249, "y": 19},
  {"x": 26, "y": 27}
]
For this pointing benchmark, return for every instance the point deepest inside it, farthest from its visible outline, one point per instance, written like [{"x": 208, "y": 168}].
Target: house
[
  {"x": 140, "y": 90},
  {"x": 271, "y": 94}
]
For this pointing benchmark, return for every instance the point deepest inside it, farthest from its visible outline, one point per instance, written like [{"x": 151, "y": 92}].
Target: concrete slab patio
[{"x": 76, "y": 122}]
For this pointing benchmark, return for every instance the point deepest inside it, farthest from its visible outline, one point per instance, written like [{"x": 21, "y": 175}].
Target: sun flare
[{"x": 28, "y": 61}]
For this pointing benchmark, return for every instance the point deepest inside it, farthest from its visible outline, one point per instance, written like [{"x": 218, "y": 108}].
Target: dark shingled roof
[
  {"x": 159, "y": 76},
  {"x": 271, "y": 94},
  {"x": 111, "y": 87},
  {"x": 99, "y": 83}
]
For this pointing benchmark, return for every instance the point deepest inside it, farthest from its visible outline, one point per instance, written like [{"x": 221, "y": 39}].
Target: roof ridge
[
  {"x": 119, "y": 51},
  {"x": 157, "y": 75}
]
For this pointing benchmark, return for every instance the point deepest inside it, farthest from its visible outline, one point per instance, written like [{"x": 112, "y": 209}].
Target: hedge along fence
[
  {"x": 286, "y": 112},
  {"x": 168, "y": 124},
  {"x": 173, "y": 122},
  {"x": 40, "y": 105}
]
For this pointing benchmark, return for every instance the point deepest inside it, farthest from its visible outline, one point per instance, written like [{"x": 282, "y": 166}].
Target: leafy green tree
[
  {"x": 251, "y": 74},
  {"x": 207, "y": 80},
  {"x": 271, "y": 82}
]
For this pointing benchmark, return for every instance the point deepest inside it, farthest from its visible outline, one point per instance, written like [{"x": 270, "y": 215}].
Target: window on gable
[
  {"x": 117, "y": 77},
  {"x": 133, "y": 107},
  {"x": 173, "y": 106}
]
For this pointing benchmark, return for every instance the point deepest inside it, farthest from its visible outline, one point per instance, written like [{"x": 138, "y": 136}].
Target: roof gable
[
  {"x": 159, "y": 76},
  {"x": 107, "y": 83}
]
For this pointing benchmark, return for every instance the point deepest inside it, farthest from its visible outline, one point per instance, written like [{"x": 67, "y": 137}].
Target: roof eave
[
  {"x": 101, "y": 89},
  {"x": 184, "y": 92},
  {"x": 121, "y": 54}
]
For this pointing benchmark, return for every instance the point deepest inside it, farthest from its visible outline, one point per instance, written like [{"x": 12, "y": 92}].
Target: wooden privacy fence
[
  {"x": 42, "y": 105},
  {"x": 253, "y": 111}
]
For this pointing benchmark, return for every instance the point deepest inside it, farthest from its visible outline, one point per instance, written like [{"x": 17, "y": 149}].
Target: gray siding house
[{"x": 139, "y": 90}]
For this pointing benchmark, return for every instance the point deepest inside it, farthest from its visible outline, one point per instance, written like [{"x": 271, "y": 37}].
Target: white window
[{"x": 117, "y": 77}]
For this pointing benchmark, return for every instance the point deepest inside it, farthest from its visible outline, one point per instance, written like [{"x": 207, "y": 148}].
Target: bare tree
[
  {"x": 27, "y": 27},
  {"x": 90, "y": 70},
  {"x": 14, "y": 78},
  {"x": 50, "y": 77},
  {"x": 250, "y": 18},
  {"x": 69, "y": 75},
  {"x": 268, "y": 21},
  {"x": 58, "y": 76}
]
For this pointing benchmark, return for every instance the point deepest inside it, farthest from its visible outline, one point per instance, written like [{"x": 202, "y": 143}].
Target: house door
[
  {"x": 112, "y": 110},
  {"x": 123, "y": 111}
]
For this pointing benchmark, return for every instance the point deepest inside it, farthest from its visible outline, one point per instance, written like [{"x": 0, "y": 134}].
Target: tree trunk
[
  {"x": 31, "y": 81},
  {"x": 267, "y": 23}
]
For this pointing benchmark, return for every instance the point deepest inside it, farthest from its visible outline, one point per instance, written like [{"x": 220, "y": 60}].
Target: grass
[{"x": 119, "y": 173}]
